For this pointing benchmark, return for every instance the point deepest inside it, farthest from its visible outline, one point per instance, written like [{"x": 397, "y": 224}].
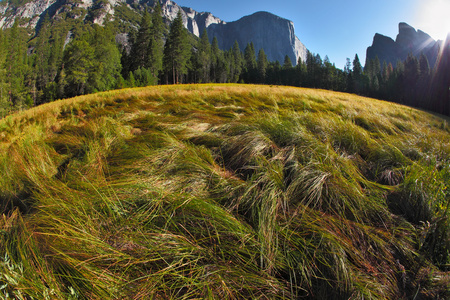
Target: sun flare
[{"x": 432, "y": 18}]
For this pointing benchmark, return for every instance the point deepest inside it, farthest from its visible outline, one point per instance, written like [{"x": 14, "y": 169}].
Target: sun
[{"x": 433, "y": 18}]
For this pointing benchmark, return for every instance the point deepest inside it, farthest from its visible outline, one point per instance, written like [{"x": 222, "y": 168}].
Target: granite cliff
[
  {"x": 272, "y": 33},
  {"x": 408, "y": 41}
]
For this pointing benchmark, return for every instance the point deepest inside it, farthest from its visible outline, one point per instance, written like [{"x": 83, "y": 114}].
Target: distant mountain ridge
[
  {"x": 407, "y": 41},
  {"x": 272, "y": 33}
]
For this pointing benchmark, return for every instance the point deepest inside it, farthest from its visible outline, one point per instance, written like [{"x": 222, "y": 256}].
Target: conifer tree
[
  {"x": 424, "y": 81},
  {"x": 176, "y": 51},
  {"x": 156, "y": 47},
  {"x": 78, "y": 64},
  {"x": 412, "y": 72},
  {"x": 442, "y": 80},
  {"x": 262, "y": 64},
  {"x": 357, "y": 76},
  {"x": 250, "y": 63},
  {"x": 287, "y": 63},
  {"x": 218, "y": 65},
  {"x": 4, "y": 103},
  {"x": 300, "y": 73},
  {"x": 385, "y": 72},
  {"x": 236, "y": 63},
  {"x": 357, "y": 68},
  {"x": 424, "y": 65},
  {"x": 204, "y": 57},
  {"x": 59, "y": 35},
  {"x": 107, "y": 66},
  {"x": 42, "y": 52},
  {"x": 215, "y": 53},
  {"x": 15, "y": 66},
  {"x": 328, "y": 74},
  {"x": 348, "y": 66},
  {"x": 287, "y": 72},
  {"x": 313, "y": 69},
  {"x": 139, "y": 53}
]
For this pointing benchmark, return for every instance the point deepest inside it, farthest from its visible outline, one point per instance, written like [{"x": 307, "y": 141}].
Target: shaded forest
[{"x": 67, "y": 57}]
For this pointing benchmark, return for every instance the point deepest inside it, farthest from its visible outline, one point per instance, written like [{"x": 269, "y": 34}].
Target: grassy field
[{"x": 224, "y": 192}]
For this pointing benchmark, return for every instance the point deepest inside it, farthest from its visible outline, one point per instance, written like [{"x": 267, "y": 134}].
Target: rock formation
[
  {"x": 270, "y": 32},
  {"x": 408, "y": 41}
]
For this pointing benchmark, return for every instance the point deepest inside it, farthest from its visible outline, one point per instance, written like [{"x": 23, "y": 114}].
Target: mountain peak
[
  {"x": 405, "y": 28},
  {"x": 407, "y": 41}
]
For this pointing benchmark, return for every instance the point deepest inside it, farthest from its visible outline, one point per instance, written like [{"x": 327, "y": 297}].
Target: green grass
[{"x": 224, "y": 192}]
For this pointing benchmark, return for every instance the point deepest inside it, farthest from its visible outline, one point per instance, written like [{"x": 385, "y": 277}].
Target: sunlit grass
[{"x": 224, "y": 191}]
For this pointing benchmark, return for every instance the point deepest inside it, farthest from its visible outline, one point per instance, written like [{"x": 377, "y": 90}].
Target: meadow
[{"x": 224, "y": 192}]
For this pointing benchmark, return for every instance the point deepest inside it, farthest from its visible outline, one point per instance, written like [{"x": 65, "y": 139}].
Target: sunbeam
[{"x": 432, "y": 18}]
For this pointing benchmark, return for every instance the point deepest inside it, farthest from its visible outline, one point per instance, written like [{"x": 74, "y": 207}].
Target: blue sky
[{"x": 339, "y": 29}]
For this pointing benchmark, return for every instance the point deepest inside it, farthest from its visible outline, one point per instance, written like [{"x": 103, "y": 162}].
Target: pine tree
[
  {"x": 4, "y": 103},
  {"x": 250, "y": 63},
  {"x": 236, "y": 63},
  {"x": 78, "y": 64},
  {"x": 424, "y": 65},
  {"x": 423, "y": 84},
  {"x": 412, "y": 73},
  {"x": 139, "y": 53},
  {"x": 287, "y": 72},
  {"x": 376, "y": 66},
  {"x": 357, "y": 76},
  {"x": 156, "y": 47},
  {"x": 275, "y": 74},
  {"x": 58, "y": 38},
  {"x": 42, "y": 52},
  {"x": 385, "y": 72},
  {"x": 15, "y": 66},
  {"x": 262, "y": 64},
  {"x": 348, "y": 66},
  {"x": 204, "y": 57},
  {"x": 357, "y": 68},
  {"x": 314, "y": 69},
  {"x": 131, "y": 81},
  {"x": 441, "y": 80},
  {"x": 215, "y": 53},
  {"x": 176, "y": 50},
  {"x": 300, "y": 73},
  {"x": 107, "y": 65},
  {"x": 287, "y": 63},
  {"x": 218, "y": 65}
]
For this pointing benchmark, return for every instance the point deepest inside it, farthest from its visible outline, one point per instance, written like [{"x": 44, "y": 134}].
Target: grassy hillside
[{"x": 224, "y": 192}]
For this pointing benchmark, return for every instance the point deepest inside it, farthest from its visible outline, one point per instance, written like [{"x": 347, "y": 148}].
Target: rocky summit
[
  {"x": 408, "y": 41},
  {"x": 270, "y": 32}
]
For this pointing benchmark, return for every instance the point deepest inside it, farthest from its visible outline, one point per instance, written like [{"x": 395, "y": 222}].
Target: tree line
[{"x": 65, "y": 61}]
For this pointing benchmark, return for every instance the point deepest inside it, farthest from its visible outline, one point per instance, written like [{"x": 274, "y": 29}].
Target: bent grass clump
[{"x": 224, "y": 191}]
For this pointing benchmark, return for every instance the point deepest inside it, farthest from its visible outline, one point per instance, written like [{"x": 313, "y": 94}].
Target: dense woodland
[{"x": 67, "y": 57}]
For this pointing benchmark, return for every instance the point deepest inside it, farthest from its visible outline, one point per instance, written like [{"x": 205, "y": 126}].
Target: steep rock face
[
  {"x": 31, "y": 10},
  {"x": 270, "y": 32},
  {"x": 384, "y": 47},
  {"x": 408, "y": 41},
  {"x": 194, "y": 21}
]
